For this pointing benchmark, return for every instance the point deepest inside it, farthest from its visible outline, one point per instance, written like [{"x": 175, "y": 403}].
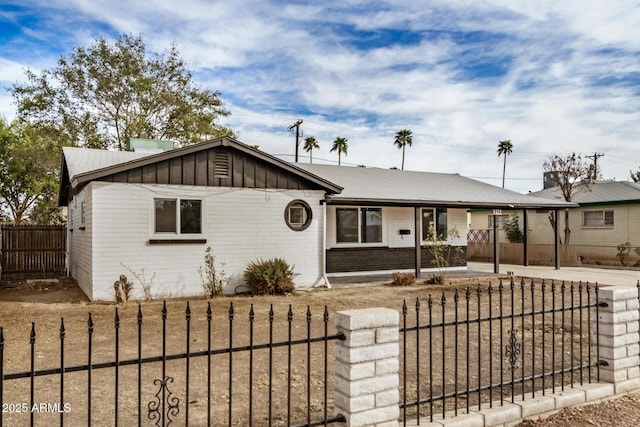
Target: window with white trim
[
  {"x": 359, "y": 225},
  {"x": 178, "y": 216},
  {"x": 597, "y": 218},
  {"x": 434, "y": 220}
]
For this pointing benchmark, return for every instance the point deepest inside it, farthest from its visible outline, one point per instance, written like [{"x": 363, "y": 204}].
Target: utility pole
[
  {"x": 297, "y": 126},
  {"x": 595, "y": 158}
]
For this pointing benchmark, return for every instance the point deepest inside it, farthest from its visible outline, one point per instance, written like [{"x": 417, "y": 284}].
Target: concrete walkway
[{"x": 602, "y": 276}]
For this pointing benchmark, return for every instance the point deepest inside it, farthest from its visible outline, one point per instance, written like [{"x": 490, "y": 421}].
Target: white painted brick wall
[
  {"x": 241, "y": 225},
  {"x": 79, "y": 239}
]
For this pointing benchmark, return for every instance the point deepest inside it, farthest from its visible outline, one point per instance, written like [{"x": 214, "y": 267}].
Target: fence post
[
  {"x": 618, "y": 337},
  {"x": 366, "y": 367}
]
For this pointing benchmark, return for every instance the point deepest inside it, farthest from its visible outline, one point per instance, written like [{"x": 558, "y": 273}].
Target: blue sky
[{"x": 554, "y": 77}]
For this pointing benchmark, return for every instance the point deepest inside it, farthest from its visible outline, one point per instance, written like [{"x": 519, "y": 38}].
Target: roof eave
[
  {"x": 353, "y": 201},
  {"x": 225, "y": 141}
]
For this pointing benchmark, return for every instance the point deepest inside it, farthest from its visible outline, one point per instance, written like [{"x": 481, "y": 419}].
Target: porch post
[
  {"x": 525, "y": 244},
  {"x": 418, "y": 241},
  {"x": 556, "y": 241},
  {"x": 496, "y": 246}
]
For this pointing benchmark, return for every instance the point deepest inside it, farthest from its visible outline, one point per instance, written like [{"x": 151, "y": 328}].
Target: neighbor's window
[
  {"x": 359, "y": 225},
  {"x": 168, "y": 216},
  {"x": 501, "y": 220},
  {"x": 597, "y": 219},
  {"x": 434, "y": 220},
  {"x": 297, "y": 215}
]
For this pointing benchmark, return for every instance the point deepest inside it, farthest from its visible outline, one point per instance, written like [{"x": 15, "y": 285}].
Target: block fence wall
[
  {"x": 618, "y": 331},
  {"x": 367, "y": 366}
]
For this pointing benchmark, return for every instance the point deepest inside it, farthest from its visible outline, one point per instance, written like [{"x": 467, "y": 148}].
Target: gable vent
[{"x": 221, "y": 165}]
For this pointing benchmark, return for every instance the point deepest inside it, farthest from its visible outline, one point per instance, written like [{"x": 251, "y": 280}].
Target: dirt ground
[{"x": 45, "y": 302}]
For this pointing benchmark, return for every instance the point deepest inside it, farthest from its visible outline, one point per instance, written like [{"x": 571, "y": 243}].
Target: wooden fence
[
  {"x": 512, "y": 253},
  {"x": 33, "y": 251}
]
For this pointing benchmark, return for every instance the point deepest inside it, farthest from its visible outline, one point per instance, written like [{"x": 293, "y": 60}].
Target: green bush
[
  {"x": 512, "y": 230},
  {"x": 270, "y": 277}
]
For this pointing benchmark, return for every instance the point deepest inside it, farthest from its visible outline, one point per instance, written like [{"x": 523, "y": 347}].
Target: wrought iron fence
[
  {"x": 280, "y": 381},
  {"x": 487, "y": 345}
]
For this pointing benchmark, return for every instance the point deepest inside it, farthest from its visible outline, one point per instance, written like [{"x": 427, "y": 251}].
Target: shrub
[
  {"x": 623, "y": 252},
  {"x": 443, "y": 252},
  {"x": 212, "y": 278},
  {"x": 403, "y": 279},
  {"x": 512, "y": 230},
  {"x": 435, "y": 279},
  {"x": 147, "y": 284},
  {"x": 270, "y": 277}
]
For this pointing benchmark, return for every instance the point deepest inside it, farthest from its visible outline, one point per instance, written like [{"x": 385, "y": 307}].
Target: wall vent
[{"x": 221, "y": 167}]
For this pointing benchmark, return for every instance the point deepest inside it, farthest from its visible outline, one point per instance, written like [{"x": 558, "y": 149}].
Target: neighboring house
[
  {"x": 608, "y": 215},
  {"x": 155, "y": 215}
]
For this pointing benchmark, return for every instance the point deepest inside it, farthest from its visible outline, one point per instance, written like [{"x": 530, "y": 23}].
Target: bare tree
[{"x": 572, "y": 176}]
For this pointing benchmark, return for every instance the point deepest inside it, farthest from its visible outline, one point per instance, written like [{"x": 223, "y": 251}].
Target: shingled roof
[
  {"x": 409, "y": 188},
  {"x": 342, "y": 184},
  {"x": 600, "y": 192}
]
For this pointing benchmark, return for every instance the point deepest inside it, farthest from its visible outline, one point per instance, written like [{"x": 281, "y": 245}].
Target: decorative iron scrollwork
[
  {"x": 512, "y": 349},
  {"x": 171, "y": 408}
]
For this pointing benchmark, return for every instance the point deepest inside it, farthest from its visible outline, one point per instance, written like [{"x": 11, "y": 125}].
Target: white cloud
[{"x": 568, "y": 83}]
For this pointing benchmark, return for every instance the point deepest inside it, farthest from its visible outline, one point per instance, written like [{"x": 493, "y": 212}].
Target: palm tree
[
  {"x": 339, "y": 145},
  {"x": 403, "y": 138},
  {"x": 309, "y": 144},
  {"x": 504, "y": 148}
]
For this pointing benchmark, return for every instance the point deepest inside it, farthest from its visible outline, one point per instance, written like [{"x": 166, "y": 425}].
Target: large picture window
[
  {"x": 178, "y": 216},
  {"x": 597, "y": 219},
  {"x": 434, "y": 220},
  {"x": 359, "y": 225}
]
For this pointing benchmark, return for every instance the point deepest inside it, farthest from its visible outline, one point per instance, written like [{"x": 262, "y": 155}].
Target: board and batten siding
[
  {"x": 241, "y": 225},
  {"x": 215, "y": 167}
]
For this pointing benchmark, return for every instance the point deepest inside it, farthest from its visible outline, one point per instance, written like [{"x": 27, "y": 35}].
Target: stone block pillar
[
  {"x": 366, "y": 367},
  {"x": 619, "y": 337}
]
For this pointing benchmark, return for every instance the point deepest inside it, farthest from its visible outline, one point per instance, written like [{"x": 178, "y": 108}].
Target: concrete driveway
[{"x": 602, "y": 276}]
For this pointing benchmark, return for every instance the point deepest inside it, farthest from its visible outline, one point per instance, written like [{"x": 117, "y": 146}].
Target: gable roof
[
  {"x": 189, "y": 165},
  {"x": 600, "y": 192},
  {"x": 409, "y": 188}
]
